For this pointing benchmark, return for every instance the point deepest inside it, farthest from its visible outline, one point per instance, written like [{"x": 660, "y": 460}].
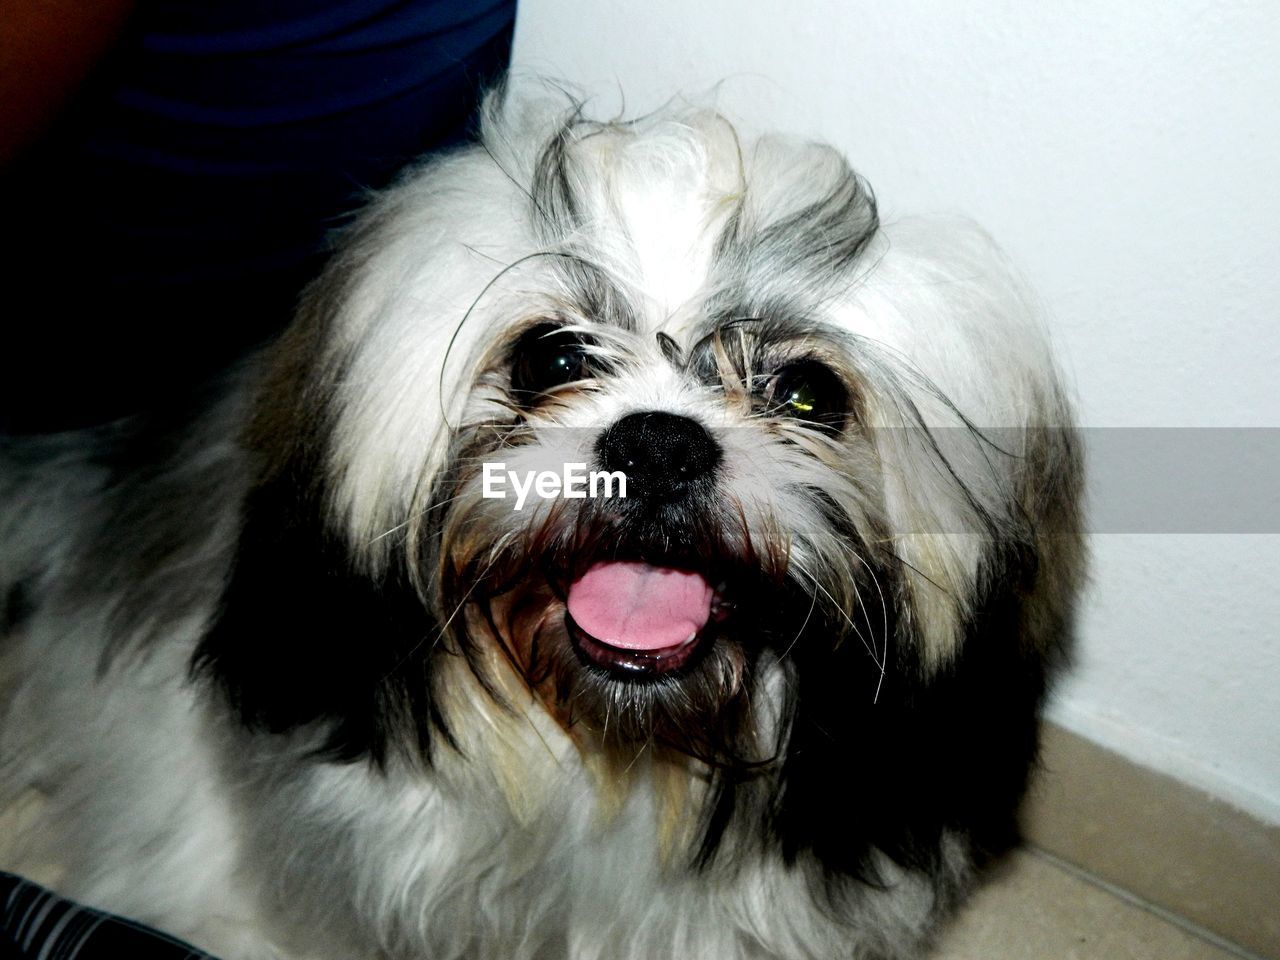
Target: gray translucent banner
[
  {"x": 1137, "y": 479},
  {"x": 1183, "y": 479}
]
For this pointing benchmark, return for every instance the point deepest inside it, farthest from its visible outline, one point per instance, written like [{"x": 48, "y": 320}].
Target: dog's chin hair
[{"x": 291, "y": 685}]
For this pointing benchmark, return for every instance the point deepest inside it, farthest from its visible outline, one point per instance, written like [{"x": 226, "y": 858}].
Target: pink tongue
[{"x": 639, "y": 607}]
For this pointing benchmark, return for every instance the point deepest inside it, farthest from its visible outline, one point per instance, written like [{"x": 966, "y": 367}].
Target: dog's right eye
[{"x": 544, "y": 358}]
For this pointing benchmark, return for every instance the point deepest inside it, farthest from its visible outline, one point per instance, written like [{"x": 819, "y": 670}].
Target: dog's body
[{"x": 291, "y": 687}]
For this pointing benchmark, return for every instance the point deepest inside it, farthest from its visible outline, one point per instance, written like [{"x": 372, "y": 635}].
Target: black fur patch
[
  {"x": 302, "y": 637},
  {"x": 947, "y": 751}
]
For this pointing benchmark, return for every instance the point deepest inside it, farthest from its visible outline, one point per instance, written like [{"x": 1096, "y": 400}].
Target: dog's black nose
[{"x": 661, "y": 454}]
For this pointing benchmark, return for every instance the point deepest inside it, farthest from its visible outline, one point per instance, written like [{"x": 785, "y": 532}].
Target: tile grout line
[{"x": 1133, "y": 900}]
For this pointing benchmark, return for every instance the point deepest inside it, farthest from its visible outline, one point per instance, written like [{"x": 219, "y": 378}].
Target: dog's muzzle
[{"x": 638, "y": 617}]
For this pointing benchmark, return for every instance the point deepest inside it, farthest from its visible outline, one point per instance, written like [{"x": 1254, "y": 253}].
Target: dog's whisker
[
  {"x": 884, "y": 619},
  {"x": 366, "y": 637},
  {"x": 643, "y": 747},
  {"x": 813, "y": 601},
  {"x": 836, "y": 606}
]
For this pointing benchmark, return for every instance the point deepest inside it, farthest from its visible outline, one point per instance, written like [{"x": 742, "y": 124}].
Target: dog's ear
[
  {"x": 303, "y": 635},
  {"x": 894, "y": 764}
]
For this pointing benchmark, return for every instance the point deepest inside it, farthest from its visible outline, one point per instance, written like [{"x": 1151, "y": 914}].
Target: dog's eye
[
  {"x": 810, "y": 391},
  {"x": 546, "y": 357}
]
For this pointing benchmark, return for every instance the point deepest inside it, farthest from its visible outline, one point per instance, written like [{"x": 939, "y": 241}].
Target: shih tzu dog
[{"x": 303, "y": 675}]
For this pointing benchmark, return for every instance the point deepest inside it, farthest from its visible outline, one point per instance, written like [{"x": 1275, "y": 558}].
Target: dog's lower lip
[{"x": 630, "y": 663}]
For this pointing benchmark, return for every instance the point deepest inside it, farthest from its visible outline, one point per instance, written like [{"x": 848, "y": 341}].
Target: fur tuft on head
[{"x": 825, "y": 612}]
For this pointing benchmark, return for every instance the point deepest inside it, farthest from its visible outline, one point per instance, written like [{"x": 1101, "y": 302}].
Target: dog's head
[{"x": 848, "y": 531}]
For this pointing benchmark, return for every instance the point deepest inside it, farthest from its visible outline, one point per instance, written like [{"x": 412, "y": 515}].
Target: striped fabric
[{"x": 36, "y": 924}]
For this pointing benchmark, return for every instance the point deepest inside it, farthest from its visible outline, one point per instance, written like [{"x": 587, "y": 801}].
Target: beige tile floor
[
  {"x": 1037, "y": 907},
  {"x": 1164, "y": 842}
]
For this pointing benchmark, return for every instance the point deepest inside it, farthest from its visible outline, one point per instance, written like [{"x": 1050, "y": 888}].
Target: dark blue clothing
[
  {"x": 36, "y": 924},
  {"x": 169, "y": 220}
]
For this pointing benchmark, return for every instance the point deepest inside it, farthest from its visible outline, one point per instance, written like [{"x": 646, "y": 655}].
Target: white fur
[{"x": 160, "y": 807}]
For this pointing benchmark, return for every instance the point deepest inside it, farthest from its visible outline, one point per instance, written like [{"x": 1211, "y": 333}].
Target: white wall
[{"x": 1127, "y": 156}]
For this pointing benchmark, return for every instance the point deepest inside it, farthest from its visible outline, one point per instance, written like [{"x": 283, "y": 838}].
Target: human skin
[{"x": 47, "y": 49}]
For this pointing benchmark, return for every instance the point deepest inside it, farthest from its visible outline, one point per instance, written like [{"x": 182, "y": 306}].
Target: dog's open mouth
[{"x": 638, "y": 620}]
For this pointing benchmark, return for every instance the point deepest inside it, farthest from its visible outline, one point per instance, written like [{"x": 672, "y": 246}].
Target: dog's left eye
[
  {"x": 810, "y": 391},
  {"x": 546, "y": 357}
]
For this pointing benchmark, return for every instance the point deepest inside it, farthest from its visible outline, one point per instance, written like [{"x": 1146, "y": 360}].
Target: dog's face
[
  {"x": 751, "y": 501},
  {"x": 818, "y": 513}
]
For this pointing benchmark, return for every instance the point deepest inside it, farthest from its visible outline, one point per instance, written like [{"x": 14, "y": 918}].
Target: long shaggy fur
[{"x": 289, "y": 686}]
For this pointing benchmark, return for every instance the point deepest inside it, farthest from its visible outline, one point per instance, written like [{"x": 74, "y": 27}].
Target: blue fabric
[
  {"x": 182, "y": 203},
  {"x": 229, "y": 106},
  {"x": 36, "y": 924}
]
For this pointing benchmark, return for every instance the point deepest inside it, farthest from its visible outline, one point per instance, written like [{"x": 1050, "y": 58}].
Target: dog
[{"x": 295, "y": 677}]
